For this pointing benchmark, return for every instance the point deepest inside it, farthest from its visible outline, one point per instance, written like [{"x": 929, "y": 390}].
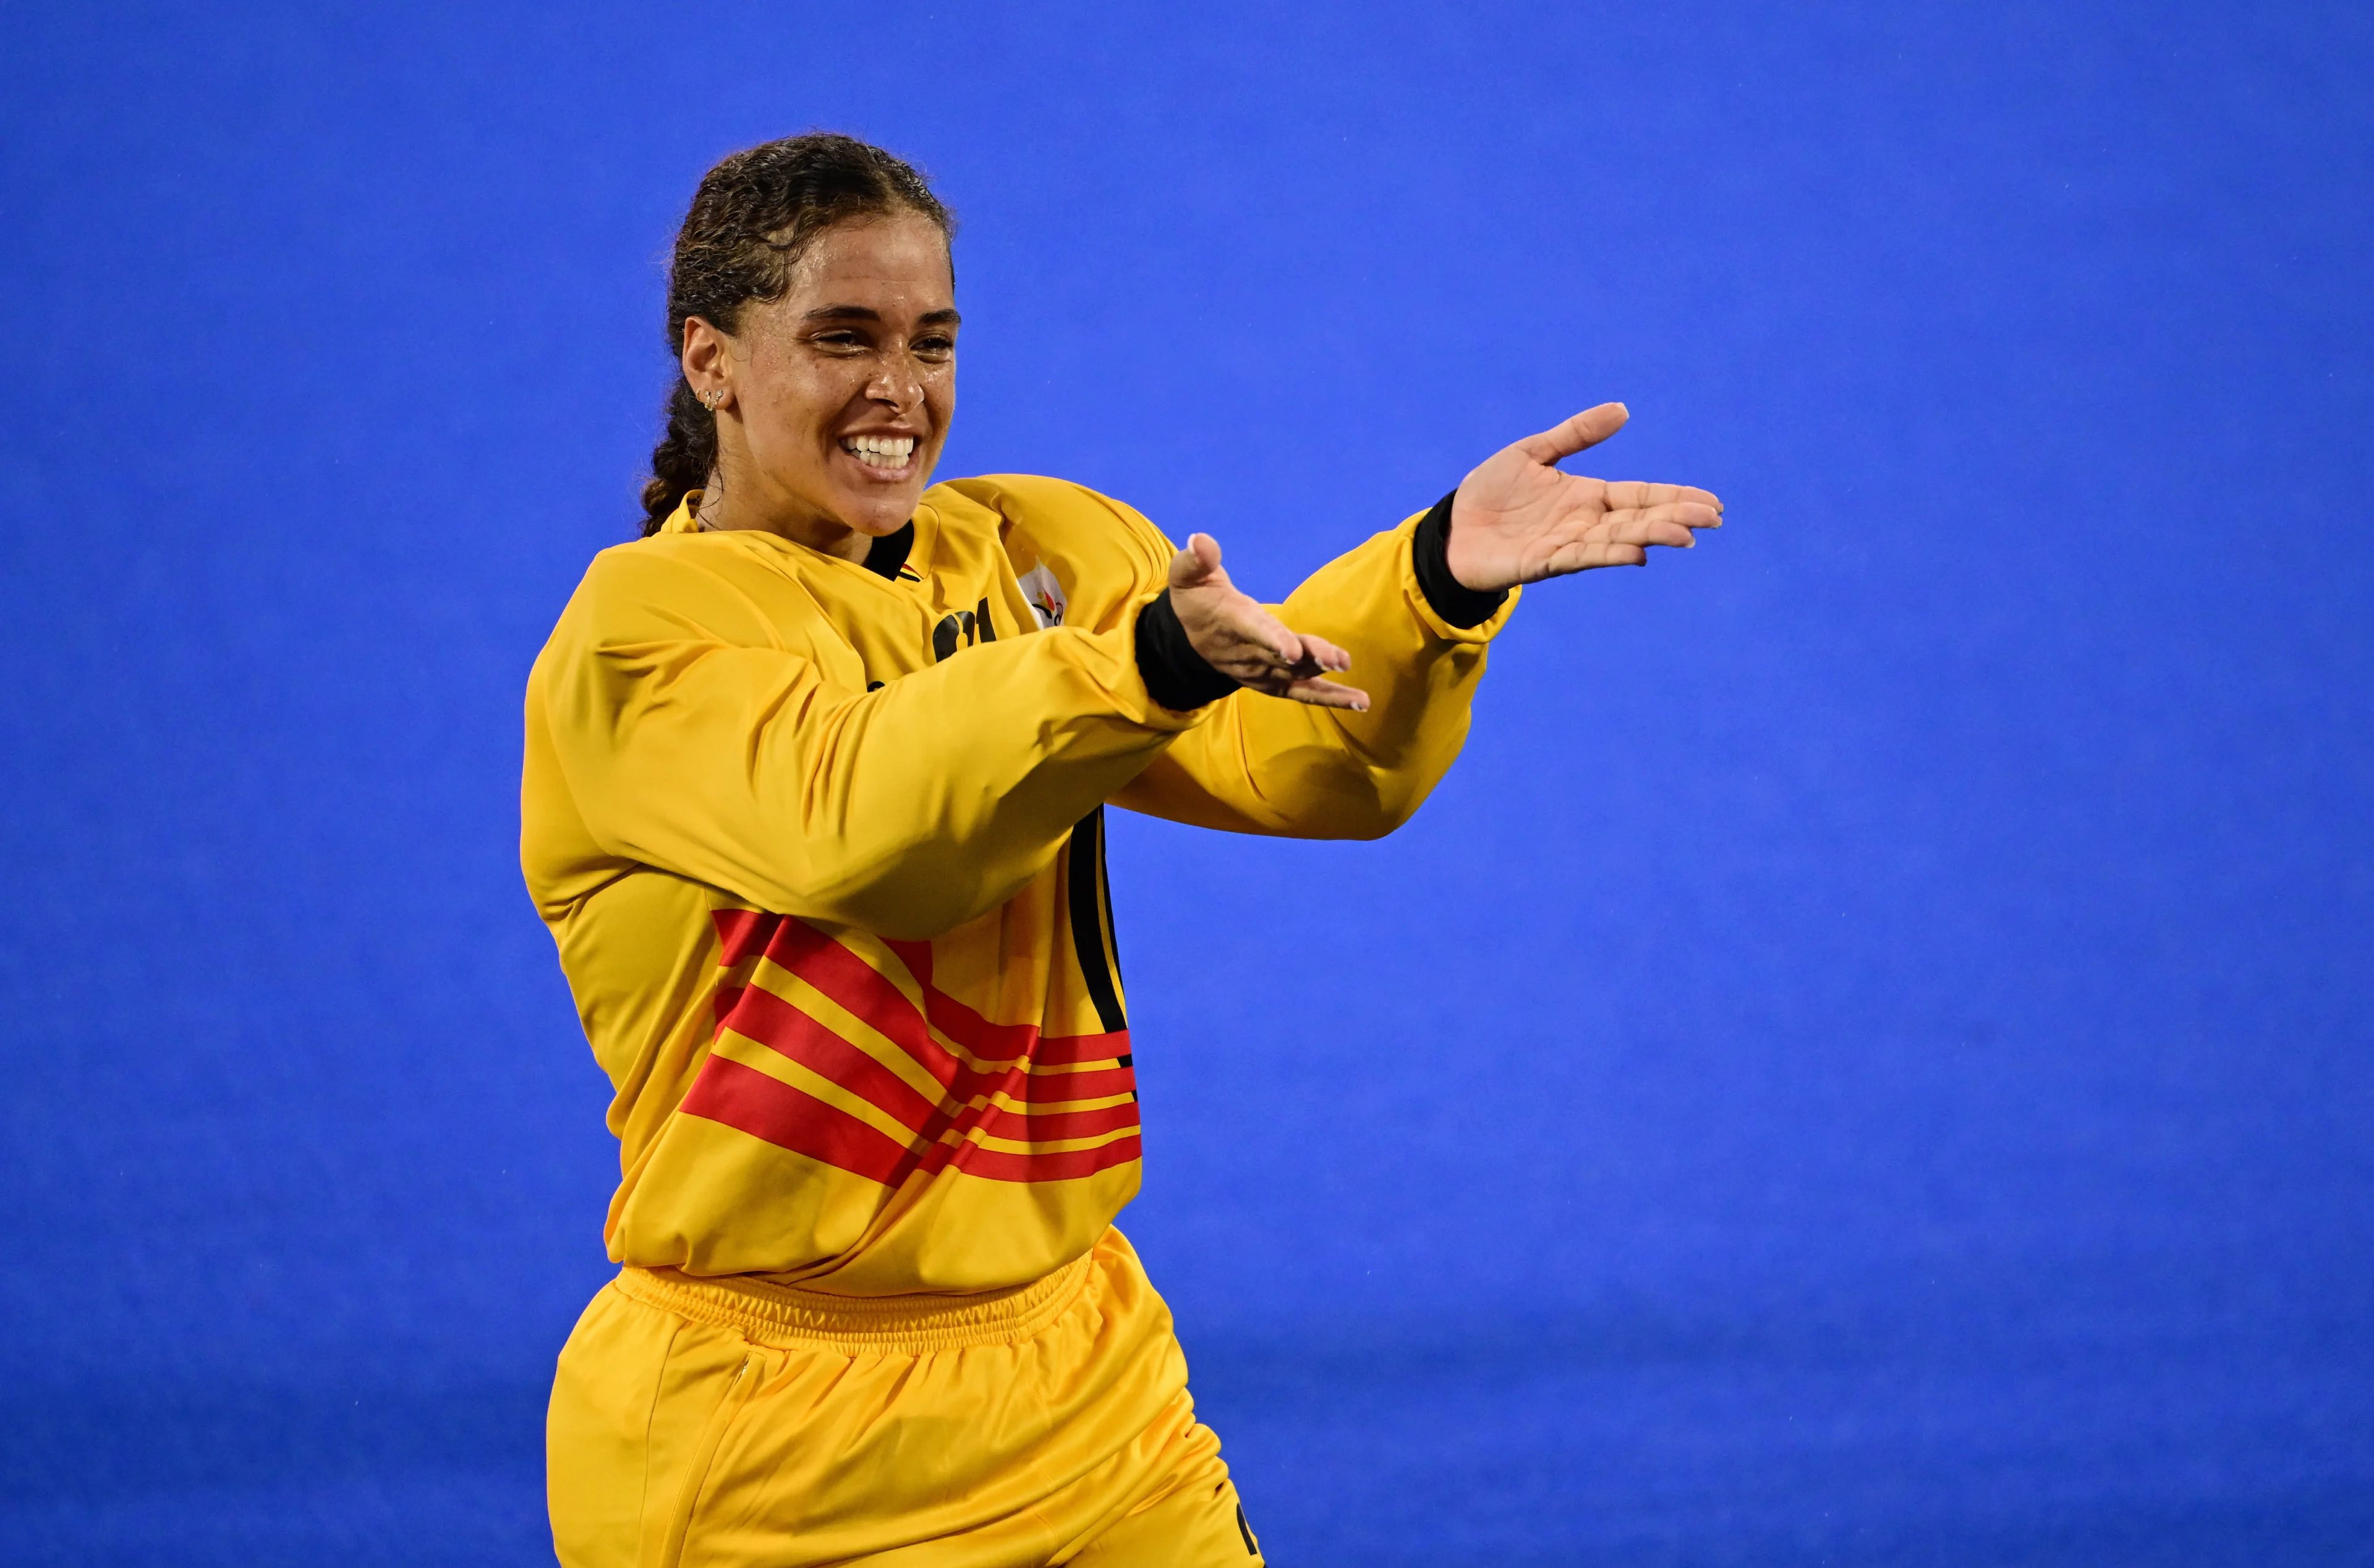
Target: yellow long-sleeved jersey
[{"x": 820, "y": 844}]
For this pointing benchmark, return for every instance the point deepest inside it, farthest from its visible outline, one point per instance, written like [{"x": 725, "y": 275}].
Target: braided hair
[{"x": 753, "y": 216}]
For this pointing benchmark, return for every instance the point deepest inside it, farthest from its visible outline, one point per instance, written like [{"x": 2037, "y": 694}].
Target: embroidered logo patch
[{"x": 1045, "y": 594}]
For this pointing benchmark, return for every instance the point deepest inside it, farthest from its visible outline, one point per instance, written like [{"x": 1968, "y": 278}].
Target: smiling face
[{"x": 833, "y": 400}]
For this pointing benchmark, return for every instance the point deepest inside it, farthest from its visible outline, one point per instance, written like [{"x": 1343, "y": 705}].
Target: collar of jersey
[{"x": 886, "y": 557}]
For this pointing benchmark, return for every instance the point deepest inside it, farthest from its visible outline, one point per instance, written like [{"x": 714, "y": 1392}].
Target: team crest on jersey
[{"x": 1045, "y": 594}]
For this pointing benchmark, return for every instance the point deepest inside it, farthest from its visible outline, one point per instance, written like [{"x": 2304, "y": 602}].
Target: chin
[
  {"x": 878, "y": 500},
  {"x": 881, "y": 511}
]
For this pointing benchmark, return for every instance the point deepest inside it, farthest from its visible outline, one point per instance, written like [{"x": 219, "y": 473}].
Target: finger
[
  {"x": 1327, "y": 694},
  {"x": 1651, "y": 530},
  {"x": 1659, "y": 525},
  {"x": 1319, "y": 654},
  {"x": 1261, "y": 638},
  {"x": 1198, "y": 564},
  {"x": 1624, "y": 493},
  {"x": 1587, "y": 428},
  {"x": 1585, "y": 554}
]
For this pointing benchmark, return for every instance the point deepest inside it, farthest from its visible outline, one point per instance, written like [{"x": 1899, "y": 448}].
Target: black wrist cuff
[
  {"x": 1178, "y": 677},
  {"x": 1430, "y": 554}
]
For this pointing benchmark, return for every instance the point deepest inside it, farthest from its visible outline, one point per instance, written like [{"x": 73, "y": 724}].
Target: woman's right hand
[{"x": 1242, "y": 640}]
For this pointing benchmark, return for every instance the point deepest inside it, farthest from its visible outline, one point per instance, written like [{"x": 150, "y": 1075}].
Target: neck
[{"x": 727, "y": 505}]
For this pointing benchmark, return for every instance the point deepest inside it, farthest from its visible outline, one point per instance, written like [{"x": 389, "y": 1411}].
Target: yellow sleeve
[
  {"x": 1264, "y": 765},
  {"x": 670, "y": 726}
]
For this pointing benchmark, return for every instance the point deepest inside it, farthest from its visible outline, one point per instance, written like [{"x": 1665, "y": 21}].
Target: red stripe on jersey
[
  {"x": 800, "y": 949},
  {"x": 1063, "y": 1050},
  {"x": 774, "y": 1112},
  {"x": 916, "y": 956},
  {"x": 741, "y": 933},
  {"x": 1048, "y": 1127},
  {"x": 863, "y": 991},
  {"x": 998, "y": 1166},
  {"x": 749, "y": 1101},
  {"x": 795, "y": 945},
  {"x": 759, "y": 1014},
  {"x": 991, "y": 1042},
  {"x": 1055, "y": 1088},
  {"x": 999, "y": 1042},
  {"x": 766, "y": 1019}
]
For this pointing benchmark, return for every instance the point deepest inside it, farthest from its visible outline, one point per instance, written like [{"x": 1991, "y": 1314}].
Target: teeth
[{"x": 883, "y": 452}]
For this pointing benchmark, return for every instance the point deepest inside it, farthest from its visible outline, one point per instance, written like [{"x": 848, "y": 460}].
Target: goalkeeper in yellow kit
[{"x": 811, "y": 804}]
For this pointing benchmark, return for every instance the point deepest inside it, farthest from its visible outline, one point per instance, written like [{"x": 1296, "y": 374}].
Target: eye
[
  {"x": 842, "y": 338},
  {"x": 935, "y": 345}
]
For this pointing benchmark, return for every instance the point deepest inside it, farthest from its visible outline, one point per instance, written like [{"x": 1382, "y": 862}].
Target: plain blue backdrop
[{"x": 1865, "y": 1061}]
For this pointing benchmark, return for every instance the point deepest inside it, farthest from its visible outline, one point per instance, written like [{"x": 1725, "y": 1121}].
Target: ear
[{"x": 706, "y": 362}]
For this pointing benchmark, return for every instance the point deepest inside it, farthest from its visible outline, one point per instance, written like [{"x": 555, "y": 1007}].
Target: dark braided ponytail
[{"x": 753, "y": 216}]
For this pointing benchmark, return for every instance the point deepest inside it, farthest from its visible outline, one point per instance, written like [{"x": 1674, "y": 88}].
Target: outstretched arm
[{"x": 1413, "y": 608}]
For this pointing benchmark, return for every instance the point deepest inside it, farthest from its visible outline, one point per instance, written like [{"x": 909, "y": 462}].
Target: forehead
[{"x": 903, "y": 256}]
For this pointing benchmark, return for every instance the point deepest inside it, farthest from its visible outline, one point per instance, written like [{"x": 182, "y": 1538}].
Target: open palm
[
  {"x": 1518, "y": 518},
  {"x": 1241, "y": 638}
]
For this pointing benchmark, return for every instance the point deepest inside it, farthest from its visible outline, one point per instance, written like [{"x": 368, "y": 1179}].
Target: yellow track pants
[{"x": 730, "y": 1423}]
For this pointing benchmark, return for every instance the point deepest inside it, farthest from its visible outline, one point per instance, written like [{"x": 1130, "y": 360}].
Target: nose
[{"x": 896, "y": 382}]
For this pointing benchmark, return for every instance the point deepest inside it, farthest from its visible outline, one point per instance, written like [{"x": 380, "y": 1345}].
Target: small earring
[{"x": 712, "y": 399}]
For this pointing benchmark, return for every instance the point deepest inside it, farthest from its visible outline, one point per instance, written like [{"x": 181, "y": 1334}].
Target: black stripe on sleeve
[
  {"x": 1086, "y": 890},
  {"x": 1430, "y": 556}
]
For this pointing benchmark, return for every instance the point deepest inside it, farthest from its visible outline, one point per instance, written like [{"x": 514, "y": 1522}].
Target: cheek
[{"x": 800, "y": 399}]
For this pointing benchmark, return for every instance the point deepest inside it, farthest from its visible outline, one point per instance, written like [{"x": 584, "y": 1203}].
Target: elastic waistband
[{"x": 791, "y": 1319}]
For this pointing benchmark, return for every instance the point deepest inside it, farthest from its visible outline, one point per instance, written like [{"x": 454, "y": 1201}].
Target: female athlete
[{"x": 812, "y": 803}]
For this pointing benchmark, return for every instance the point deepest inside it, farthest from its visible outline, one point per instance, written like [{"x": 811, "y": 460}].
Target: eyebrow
[{"x": 947, "y": 317}]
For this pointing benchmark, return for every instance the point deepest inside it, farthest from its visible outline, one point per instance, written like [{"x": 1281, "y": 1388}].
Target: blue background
[{"x": 1865, "y": 1061}]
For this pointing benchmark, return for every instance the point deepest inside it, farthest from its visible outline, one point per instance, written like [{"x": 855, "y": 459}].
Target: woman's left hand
[{"x": 1517, "y": 519}]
